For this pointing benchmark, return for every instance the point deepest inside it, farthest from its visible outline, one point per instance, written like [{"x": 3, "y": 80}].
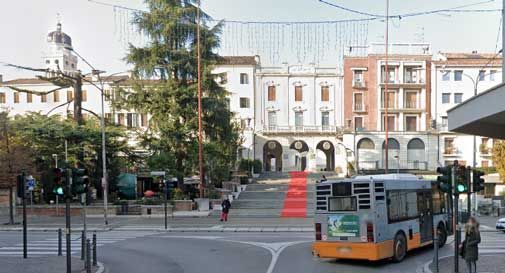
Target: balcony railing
[
  {"x": 359, "y": 84},
  {"x": 411, "y": 104},
  {"x": 450, "y": 151},
  {"x": 393, "y": 165},
  {"x": 359, "y": 107},
  {"x": 301, "y": 129}
]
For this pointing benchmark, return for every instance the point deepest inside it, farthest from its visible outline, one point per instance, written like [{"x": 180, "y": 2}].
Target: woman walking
[
  {"x": 225, "y": 208},
  {"x": 471, "y": 244}
]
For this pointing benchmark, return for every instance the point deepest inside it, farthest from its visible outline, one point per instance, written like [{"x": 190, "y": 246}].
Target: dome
[{"x": 59, "y": 37}]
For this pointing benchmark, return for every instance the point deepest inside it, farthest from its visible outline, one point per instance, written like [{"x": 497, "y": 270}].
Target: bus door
[{"x": 424, "y": 204}]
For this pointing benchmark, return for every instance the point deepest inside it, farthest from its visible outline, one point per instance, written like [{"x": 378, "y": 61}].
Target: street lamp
[{"x": 346, "y": 158}]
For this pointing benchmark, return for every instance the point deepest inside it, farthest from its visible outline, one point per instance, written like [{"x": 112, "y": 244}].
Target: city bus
[{"x": 378, "y": 217}]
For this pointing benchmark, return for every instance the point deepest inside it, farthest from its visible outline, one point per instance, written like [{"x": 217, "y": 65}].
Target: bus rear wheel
[
  {"x": 442, "y": 235},
  {"x": 399, "y": 247}
]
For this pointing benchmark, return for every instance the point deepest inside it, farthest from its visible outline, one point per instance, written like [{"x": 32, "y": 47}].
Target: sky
[{"x": 99, "y": 38}]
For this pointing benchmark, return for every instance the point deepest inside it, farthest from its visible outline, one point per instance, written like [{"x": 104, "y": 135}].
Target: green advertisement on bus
[{"x": 343, "y": 225}]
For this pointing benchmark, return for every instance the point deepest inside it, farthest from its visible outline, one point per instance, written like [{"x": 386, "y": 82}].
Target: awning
[{"x": 481, "y": 115}]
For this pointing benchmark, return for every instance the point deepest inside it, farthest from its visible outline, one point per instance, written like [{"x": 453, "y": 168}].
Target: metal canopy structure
[{"x": 482, "y": 115}]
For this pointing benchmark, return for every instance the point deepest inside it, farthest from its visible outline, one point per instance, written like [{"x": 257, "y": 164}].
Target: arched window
[
  {"x": 366, "y": 143},
  {"x": 393, "y": 144},
  {"x": 415, "y": 144}
]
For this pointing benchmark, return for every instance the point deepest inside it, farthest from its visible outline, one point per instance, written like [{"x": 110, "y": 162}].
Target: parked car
[{"x": 500, "y": 225}]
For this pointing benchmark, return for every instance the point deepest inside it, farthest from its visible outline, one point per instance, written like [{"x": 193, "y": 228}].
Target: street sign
[
  {"x": 31, "y": 184},
  {"x": 158, "y": 173}
]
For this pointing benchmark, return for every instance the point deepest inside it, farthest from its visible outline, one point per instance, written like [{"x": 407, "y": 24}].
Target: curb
[
  {"x": 177, "y": 229},
  {"x": 426, "y": 266}
]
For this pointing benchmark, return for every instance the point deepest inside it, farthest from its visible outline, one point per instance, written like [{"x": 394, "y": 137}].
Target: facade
[
  {"x": 298, "y": 118},
  {"x": 406, "y": 106},
  {"x": 458, "y": 77}
]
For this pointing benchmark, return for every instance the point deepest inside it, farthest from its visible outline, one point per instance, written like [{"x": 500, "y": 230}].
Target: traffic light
[
  {"x": 21, "y": 185},
  {"x": 462, "y": 179},
  {"x": 80, "y": 181},
  {"x": 445, "y": 179},
  {"x": 59, "y": 181},
  {"x": 478, "y": 181}
]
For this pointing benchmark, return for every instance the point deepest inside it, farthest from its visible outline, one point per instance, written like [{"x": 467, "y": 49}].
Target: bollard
[
  {"x": 436, "y": 246},
  {"x": 88, "y": 258},
  {"x": 94, "y": 249},
  {"x": 83, "y": 245},
  {"x": 59, "y": 242}
]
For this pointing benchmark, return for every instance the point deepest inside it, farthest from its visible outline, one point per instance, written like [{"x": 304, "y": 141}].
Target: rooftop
[{"x": 237, "y": 60}]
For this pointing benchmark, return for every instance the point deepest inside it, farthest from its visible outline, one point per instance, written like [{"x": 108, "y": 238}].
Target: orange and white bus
[{"x": 378, "y": 217}]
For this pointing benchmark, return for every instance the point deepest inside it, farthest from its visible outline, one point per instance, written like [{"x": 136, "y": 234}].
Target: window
[
  {"x": 411, "y": 74},
  {"x": 107, "y": 95},
  {"x": 132, "y": 120},
  {"x": 390, "y": 76},
  {"x": 108, "y": 117},
  {"x": 243, "y": 124},
  {"x": 271, "y": 93},
  {"x": 410, "y": 123},
  {"x": 411, "y": 100},
  {"x": 484, "y": 163},
  {"x": 272, "y": 119},
  {"x": 492, "y": 75},
  {"x": 402, "y": 205},
  {"x": 84, "y": 95},
  {"x": 449, "y": 146},
  {"x": 29, "y": 97},
  {"x": 143, "y": 120},
  {"x": 325, "y": 93},
  {"x": 56, "y": 96},
  {"x": 120, "y": 119},
  {"x": 325, "y": 119},
  {"x": 458, "y": 75},
  {"x": 244, "y": 103},
  {"x": 16, "y": 97},
  {"x": 43, "y": 98},
  {"x": 347, "y": 203},
  {"x": 2, "y": 97},
  {"x": 56, "y": 61},
  {"x": 482, "y": 75},
  {"x": 391, "y": 120},
  {"x": 458, "y": 97},
  {"x": 48, "y": 61},
  {"x": 446, "y": 98},
  {"x": 390, "y": 99},
  {"x": 244, "y": 78},
  {"x": 70, "y": 95},
  {"x": 358, "y": 80},
  {"x": 227, "y": 102},
  {"x": 298, "y": 93},
  {"x": 438, "y": 202},
  {"x": 358, "y": 123},
  {"x": 299, "y": 119},
  {"x": 445, "y": 123},
  {"x": 358, "y": 102},
  {"x": 446, "y": 76}
]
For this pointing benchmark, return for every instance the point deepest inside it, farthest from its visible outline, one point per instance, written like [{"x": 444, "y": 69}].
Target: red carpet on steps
[{"x": 295, "y": 204}]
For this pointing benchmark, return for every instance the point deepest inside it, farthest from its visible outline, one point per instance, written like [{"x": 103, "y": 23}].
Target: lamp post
[{"x": 346, "y": 158}]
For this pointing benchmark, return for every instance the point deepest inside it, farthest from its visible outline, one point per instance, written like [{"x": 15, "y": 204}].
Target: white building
[
  {"x": 299, "y": 114},
  {"x": 457, "y": 77}
]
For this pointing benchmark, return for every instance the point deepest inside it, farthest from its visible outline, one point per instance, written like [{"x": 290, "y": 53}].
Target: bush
[
  {"x": 177, "y": 194},
  {"x": 257, "y": 166},
  {"x": 487, "y": 170},
  {"x": 245, "y": 165}
]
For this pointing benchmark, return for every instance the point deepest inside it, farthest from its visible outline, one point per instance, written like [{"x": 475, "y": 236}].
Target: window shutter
[{"x": 298, "y": 93}]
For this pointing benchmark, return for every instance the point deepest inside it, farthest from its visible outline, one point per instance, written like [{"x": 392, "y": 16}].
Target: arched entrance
[
  {"x": 366, "y": 154},
  {"x": 329, "y": 151},
  {"x": 301, "y": 158},
  {"x": 272, "y": 156},
  {"x": 416, "y": 155},
  {"x": 393, "y": 154}
]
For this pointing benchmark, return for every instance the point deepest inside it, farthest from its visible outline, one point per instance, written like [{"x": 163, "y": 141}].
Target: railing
[
  {"x": 301, "y": 129},
  {"x": 450, "y": 151},
  {"x": 393, "y": 165},
  {"x": 359, "y": 107},
  {"x": 411, "y": 105},
  {"x": 359, "y": 84}
]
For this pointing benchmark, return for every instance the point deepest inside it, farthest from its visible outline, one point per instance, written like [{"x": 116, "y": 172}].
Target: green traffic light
[
  {"x": 59, "y": 191},
  {"x": 461, "y": 188}
]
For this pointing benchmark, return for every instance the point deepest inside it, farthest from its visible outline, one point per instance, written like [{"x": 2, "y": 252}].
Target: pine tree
[{"x": 165, "y": 87}]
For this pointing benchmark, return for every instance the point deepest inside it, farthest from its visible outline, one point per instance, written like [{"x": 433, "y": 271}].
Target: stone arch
[
  {"x": 416, "y": 154},
  {"x": 329, "y": 151},
  {"x": 272, "y": 156},
  {"x": 302, "y": 148},
  {"x": 366, "y": 154},
  {"x": 393, "y": 154}
]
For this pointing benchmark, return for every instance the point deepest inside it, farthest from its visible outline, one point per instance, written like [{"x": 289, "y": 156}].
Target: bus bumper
[{"x": 358, "y": 251}]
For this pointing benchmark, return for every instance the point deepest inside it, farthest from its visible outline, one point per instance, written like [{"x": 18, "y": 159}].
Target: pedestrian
[
  {"x": 225, "y": 208},
  {"x": 323, "y": 179},
  {"x": 471, "y": 244}
]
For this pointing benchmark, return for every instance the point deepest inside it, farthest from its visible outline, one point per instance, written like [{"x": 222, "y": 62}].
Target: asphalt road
[{"x": 222, "y": 252}]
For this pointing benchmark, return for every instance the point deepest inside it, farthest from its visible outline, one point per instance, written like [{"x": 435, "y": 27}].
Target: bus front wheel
[{"x": 400, "y": 247}]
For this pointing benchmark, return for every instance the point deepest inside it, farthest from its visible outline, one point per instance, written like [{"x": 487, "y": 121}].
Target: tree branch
[
  {"x": 89, "y": 111},
  {"x": 68, "y": 102}
]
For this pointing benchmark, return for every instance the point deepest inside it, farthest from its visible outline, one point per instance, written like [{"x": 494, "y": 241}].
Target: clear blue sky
[{"x": 25, "y": 24}]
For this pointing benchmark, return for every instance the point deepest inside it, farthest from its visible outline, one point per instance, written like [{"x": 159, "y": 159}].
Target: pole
[
  {"x": 436, "y": 246},
  {"x": 165, "y": 204},
  {"x": 105, "y": 185},
  {"x": 200, "y": 134},
  {"x": 25, "y": 235},
  {"x": 503, "y": 40},
  {"x": 11, "y": 206},
  {"x": 88, "y": 256},
  {"x": 67, "y": 219},
  {"x": 94, "y": 249},
  {"x": 456, "y": 224},
  {"x": 386, "y": 103},
  {"x": 83, "y": 245},
  {"x": 469, "y": 192},
  {"x": 57, "y": 198},
  {"x": 59, "y": 242},
  {"x": 474, "y": 165},
  {"x": 66, "y": 150}
]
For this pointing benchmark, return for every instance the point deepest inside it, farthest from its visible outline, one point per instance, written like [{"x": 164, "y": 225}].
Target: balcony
[
  {"x": 359, "y": 84},
  {"x": 450, "y": 151},
  {"x": 301, "y": 129},
  {"x": 360, "y": 108},
  {"x": 373, "y": 166},
  {"x": 485, "y": 150}
]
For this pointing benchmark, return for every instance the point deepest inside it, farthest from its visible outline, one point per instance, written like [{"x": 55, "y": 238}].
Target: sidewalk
[
  {"x": 52, "y": 264},
  {"x": 489, "y": 263}
]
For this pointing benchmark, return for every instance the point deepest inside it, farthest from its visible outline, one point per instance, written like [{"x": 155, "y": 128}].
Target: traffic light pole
[
  {"x": 67, "y": 220},
  {"x": 469, "y": 192},
  {"x": 455, "y": 224},
  {"x": 25, "y": 235}
]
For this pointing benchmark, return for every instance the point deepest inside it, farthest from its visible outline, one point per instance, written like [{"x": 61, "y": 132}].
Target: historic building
[
  {"x": 406, "y": 106},
  {"x": 299, "y": 117},
  {"x": 457, "y": 77}
]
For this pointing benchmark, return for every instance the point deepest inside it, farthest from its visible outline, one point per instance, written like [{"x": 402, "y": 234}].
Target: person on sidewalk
[
  {"x": 225, "y": 208},
  {"x": 471, "y": 244}
]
